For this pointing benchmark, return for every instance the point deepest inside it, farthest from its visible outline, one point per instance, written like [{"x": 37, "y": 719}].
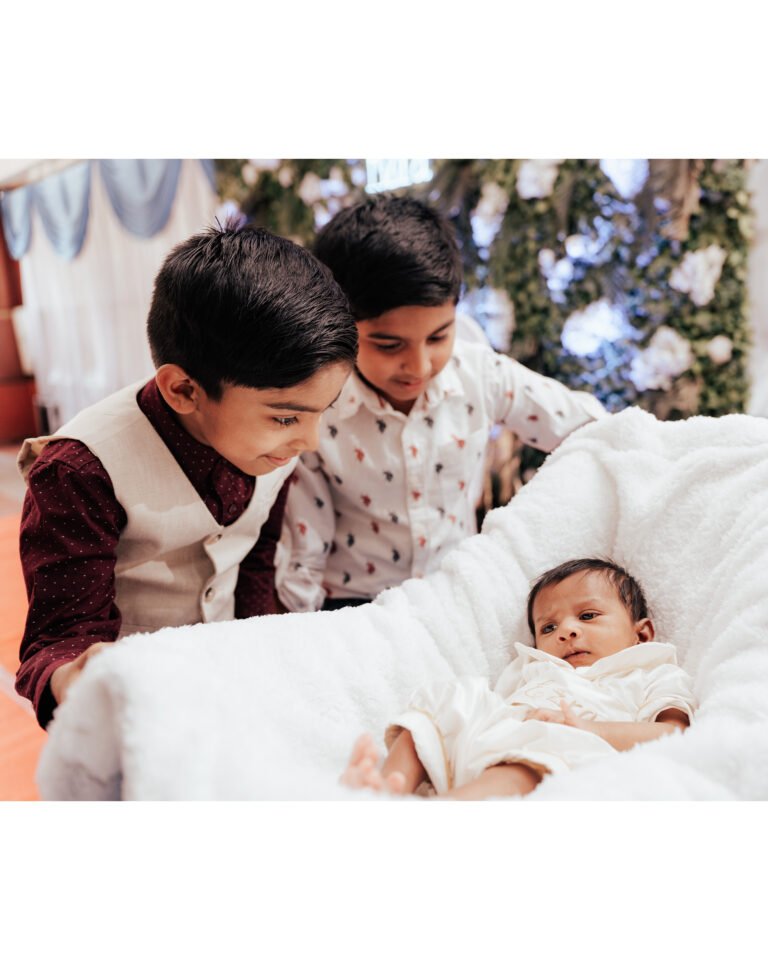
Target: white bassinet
[{"x": 268, "y": 708}]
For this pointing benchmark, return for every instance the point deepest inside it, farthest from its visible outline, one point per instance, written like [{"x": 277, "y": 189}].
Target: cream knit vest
[{"x": 175, "y": 563}]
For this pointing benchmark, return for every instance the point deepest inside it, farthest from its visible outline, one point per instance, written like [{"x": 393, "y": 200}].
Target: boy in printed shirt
[
  {"x": 161, "y": 505},
  {"x": 392, "y": 485},
  {"x": 595, "y": 682}
]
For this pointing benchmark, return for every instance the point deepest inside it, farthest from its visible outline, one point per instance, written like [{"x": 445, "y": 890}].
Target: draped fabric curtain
[
  {"x": 142, "y": 194},
  {"x": 83, "y": 319}
]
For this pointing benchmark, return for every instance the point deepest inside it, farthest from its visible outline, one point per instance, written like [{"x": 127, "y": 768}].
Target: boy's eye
[
  {"x": 286, "y": 421},
  {"x": 442, "y": 336},
  {"x": 387, "y": 347}
]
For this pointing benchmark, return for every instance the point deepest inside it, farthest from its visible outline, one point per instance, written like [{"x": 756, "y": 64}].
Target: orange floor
[{"x": 21, "y": 739}]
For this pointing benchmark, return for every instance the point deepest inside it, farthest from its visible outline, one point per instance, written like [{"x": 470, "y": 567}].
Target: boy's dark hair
[
  {"x": 248, "y": 308},
  {"x": 390, "y": 252},
  {"x": 629, "y": 590}
]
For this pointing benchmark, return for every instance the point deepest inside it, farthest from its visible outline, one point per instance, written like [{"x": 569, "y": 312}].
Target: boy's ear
[
  {"x": 645, "y": 630},
  {"x": 178, "y": 389}
]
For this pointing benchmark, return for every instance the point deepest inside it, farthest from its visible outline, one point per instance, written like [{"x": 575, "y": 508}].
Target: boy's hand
[{"x": 65, "y": 675}]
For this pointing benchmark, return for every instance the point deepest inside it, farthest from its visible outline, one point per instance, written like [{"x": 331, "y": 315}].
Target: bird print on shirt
[{"x": 397, "y": 474}]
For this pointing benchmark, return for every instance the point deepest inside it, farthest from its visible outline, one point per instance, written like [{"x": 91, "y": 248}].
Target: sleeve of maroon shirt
[
  {"x": 255, "y": 593},
  {"x": 70, "y": 525}
]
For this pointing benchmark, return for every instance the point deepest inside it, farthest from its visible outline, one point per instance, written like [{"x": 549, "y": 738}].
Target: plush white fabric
[{"x": 269, "y": 708}]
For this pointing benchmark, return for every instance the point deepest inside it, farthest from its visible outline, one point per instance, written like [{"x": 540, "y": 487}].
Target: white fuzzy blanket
[{"x": 269, "y": 708}]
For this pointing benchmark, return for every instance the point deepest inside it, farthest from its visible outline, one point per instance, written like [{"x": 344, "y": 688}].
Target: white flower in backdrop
[
  {"x": 494, "y": 311},
  {"x": 628, "y": 176},
  {"x": 311, "y": 188},
  {"x": 335, "y": 185},
  {"x": 666, "y": 357},
  {"x": 699, "y": 272},
  {"x": 229, "y": 213},
  {"x": 536, "y": 178},
  {"x": 557, "y": 273},
  {"x": 265, "y": 164},
  {"x": 285, "y": 176},
  {"x": 322, "y": 215},
  {"x": 487, "y": 216},
  {"x": 585, "y": 331},
  {"x": 334, "y": 205},
  {"x": 249, "y": 173},
  {"x": 720, "y": 349},
  {"x": 547, "y": 260},
  {"x": 589, "y": 246}
]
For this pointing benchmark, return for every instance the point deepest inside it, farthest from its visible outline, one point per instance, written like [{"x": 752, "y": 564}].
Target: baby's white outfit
[{"x": 462, "y": 727}]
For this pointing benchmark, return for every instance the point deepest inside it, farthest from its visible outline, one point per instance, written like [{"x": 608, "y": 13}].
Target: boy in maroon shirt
[{"x": 252, "y": 340}]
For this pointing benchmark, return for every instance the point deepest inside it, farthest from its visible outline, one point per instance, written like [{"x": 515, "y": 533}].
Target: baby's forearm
[{"x": 623, "y": 734}]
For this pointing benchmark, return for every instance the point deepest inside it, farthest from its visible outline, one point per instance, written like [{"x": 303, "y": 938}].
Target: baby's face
[{"x": 581, "y": 619}]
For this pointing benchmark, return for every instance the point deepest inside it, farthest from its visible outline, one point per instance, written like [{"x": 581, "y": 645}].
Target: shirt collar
[{"x": 357, "y": 393}]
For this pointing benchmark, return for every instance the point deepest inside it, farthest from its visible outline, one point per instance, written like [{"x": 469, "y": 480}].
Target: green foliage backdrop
[{"x": 638, "y": 295}]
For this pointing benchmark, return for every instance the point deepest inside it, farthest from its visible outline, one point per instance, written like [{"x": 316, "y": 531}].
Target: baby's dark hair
[
  {"x": 629, "y": 590},
  {"x": 389, "y": 252},
  {"x": 248, "y": 308}
]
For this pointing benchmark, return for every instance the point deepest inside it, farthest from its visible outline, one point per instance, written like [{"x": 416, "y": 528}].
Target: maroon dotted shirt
[{"x": 70, "y": 526}]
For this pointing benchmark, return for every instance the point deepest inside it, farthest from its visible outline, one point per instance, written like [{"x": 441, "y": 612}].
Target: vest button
[{"x": 209, "y": 594}]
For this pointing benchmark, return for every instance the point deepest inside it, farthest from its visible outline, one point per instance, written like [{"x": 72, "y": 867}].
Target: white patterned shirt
[{"x": 388, "y": 494}]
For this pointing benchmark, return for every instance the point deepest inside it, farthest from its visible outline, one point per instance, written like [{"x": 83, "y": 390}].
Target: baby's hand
[
  {"x": 548, "y": 716},
  {"x": 564, "y": 715}
]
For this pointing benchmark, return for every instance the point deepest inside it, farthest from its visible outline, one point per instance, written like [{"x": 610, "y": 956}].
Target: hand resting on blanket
[
  {"x": 621, "y": 734},
  {"x": 64, "y": 676}
]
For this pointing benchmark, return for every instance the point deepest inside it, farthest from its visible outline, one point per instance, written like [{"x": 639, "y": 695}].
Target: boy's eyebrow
[
  {"x": 300, "y": 407},
  {"x": 390, "y": 336}
]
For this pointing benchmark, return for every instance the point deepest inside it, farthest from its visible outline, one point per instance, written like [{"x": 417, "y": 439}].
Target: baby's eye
[
  {"x": 286, "y": 421},
  {"x": 547, "y": 628},
  {"x": 587, "y": 616}
]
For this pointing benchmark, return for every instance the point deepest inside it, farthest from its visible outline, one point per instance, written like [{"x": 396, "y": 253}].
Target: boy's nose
[
  {"x": 418, "y": 364},
  {"x": 310, "y": 438}
]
